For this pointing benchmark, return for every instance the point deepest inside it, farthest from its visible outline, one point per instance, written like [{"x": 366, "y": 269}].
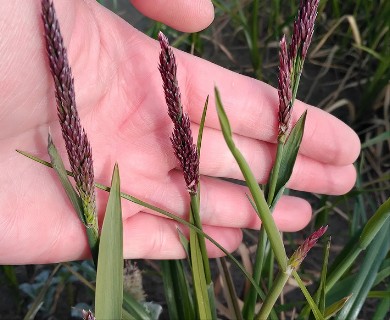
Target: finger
[
  {"x": 150, "y": 237},
  {"x": 186, "y": 16},
  {"x": 308, "y": 174},
  {"x": 225, "y": 204},
  {"x": 318, "y": 177},
  {"x": 252, "y": 108},
  {"x": 145, "y": 236}
]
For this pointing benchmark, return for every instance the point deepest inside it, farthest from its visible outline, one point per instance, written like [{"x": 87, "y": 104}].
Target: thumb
[{"x": 182, "y": 15}]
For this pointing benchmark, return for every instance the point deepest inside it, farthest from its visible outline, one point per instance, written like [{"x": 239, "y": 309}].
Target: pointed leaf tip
[{"x": 109, "y": 278}]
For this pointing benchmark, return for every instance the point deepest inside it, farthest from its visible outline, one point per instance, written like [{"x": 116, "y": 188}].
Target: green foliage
[
  {"x": 177, "y": 290},
  {"x": 376, "y": 223},
  {"x": 74, "y": 198},
  {"x": 58, "y": 166},
  {"x": 201, "y": 275},
  {"x": 258, "y": 196},
  {"x": 109, "y": 278},
  {"x": 366, "y": 275},
  {"x": 286, "y": 160},
  {"x": 314, "y": 308}
]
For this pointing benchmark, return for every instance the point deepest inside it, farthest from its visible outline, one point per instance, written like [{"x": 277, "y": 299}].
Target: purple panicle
[
  {"x": 291, "y": 61},
  {"x": 284, "y": 90},
  {"x": 76, "y": 142},
  {"x": 300, "y": 254},
  {"x": 186, "y": 152},
  {"x": 168, "y": 70},
  {"x": 303, "y": 28},
  {"x": 182, "y": 141}
]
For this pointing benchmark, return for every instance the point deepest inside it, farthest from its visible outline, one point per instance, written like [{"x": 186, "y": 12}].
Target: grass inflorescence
[
  {"x": 76, "y": 141},
  {"x": 182, "y": 141}
]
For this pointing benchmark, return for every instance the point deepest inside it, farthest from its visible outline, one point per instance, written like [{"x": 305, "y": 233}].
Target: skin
[{"x": 121, "y": 104}]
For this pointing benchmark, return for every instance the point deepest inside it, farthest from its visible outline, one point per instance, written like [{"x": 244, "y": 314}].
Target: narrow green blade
[
  {"x": 134, "y": 308},
  {"x": 199, "y": 279},
  {"x": 211, "y": 295},
  {"x": 320, "y": 294},
  {"x": 375, "y": 254},
  {"x": 229, "y": 291},
  {"x": 58, "y": 166},
  {"x": 290, "y": 153},
  {"x": 201, "y": 126},
  {"x": 73, "y": 196},
  {"x": 382, "y": 275},
  {"x": 377, "y": 139},
  {"x": 126, "y": 315},
  {"x": 321, "y": 302},
  {"x": 382, "y": 309},
  {"x": 39, "y": 160},
  {"x": 354, "y": 247},
  {"x": 375, "y": 224},
  {"x": 169, "y": 288},
  {"x": 379, "y": 294},
  {"x": 177, "y": 290},
  {"x": 185, "y": 244},
  {"x": 258, "y": 197},
  {"x": 316, "y": 312},
  {"x": 109, "y": 278},
  {"x": 335, "y": 307}
]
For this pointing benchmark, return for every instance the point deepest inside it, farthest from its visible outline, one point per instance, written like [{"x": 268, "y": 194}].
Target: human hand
[{"x": 121, "y": 104}]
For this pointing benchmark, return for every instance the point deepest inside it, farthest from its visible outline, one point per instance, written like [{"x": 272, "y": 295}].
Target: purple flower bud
[
  {"x": 300, "y": 254},
  {"x": 303, "y": 28},
  {"x": 182, "y": 141},
  {"x": 291, "y": 61}
]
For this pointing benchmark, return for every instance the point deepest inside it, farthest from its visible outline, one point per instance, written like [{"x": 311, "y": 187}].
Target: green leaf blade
[
  {"x": 177, "y": 290},
  {"x": 316, "y": 312},
  {"x": 58, "y": 166},
  {"x": 75, "y": 199},
  {"x": 201, "y": 126},
  {"x": 290, "y": 153},
  {"x": 335, "y": 307},
  {"x": 258, "y": 197},
  {"x": 109, "y": 278},
  {"x": 199, "y": 279},
  {"x": 375, "y": 224},
  {"x": 133, "y": 308},
  {"x": 375, "y": 254},
  {"x": 321, "y": 301}
]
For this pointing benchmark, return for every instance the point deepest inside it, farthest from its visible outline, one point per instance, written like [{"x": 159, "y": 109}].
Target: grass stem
[
  {"x": 248, "y": 309},
  {"x": 258, "y": 196},
  {"x": 273, "y": 294},
  {"x": 202, "y": 244}
]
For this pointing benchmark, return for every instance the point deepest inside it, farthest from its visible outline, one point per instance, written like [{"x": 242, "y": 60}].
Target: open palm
[{"x": 121, "y": 105}]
